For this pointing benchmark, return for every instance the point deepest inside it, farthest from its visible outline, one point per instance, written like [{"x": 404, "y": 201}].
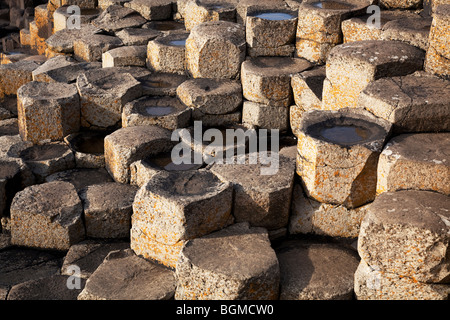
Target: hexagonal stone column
[
  {"x": 126, "y": 145},
  {"x": 14, "y": 75},
  {"x": 134, "y": 278},
  {"x": 352, "y": 66},
  {"x": 234, "y": 263},
  {"x": 413, "y": 103},
  {"x": 267, "y": 80},
  {"x": 47, "y": 216},
  {"x": 438, "y": 53},
  {"x": 197, "y": 12},
  {"x": 177, "y": 206},
  {"x": 261, "y": 200},
  {"x": 47, "y": 111},
  {"x": 407, "y": 233},
  {"x": 103, "y": 94},
  {"x": 338, "y": 155},
  {"x": 319, "y": 26},
  {"x": 270, "y": 32},
  {"x": 91, "y": 48},
  {"x": 216, "y": 50},
  {"x": 403, "y": 166},
  {"x": 88, "y": 148},
  {"x": 316, "y": 271},
  {"x": 125, "y": 56},
  {"x": 265, "y": 116},
  {"x": 167, "y": 53},
  {"x": 210, "y": 96}
]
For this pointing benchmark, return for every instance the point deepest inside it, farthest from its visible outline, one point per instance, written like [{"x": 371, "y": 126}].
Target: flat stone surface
[
  {"x": 127, "y": 145},
  {"x": 124, "y": 56},
  {"x": 198, "y": 12},
  {"x": 48, "y": 288},
  {"x": 316, "y": 271},
  {"x": 14, "y": 75},
  {"x": 125, "y": 276},
  {"x": 414, "y": 31},
  {"x": 107, "y": 209},
  {"x": 352, "y": 66},
  {"x": 88, "y": 255},
  {"x": 406, "y": 233},
  {"x": 81, "y": 178},
  {"x": 63, "y": 40},
  {"x": 166, "y": 112},
  {"x": 338, "y": 155},
  {"x": 137, "y": 36},
  {"x": 438, "y": 54},
  {"x": 167, "y": 53},
  {"x": 413, "y": 103},
  {"x": 115, "y": 18},
  {"x": 234, "y": 263},
  {"x": 267, "y": 80},
  {"x": 216, "y": 50},
  {"x": 403, "y": 166},
  {"x": 152, "y": 9},
  {"x": 47, "y": 216},
  {"x": 261, "y": 200}
]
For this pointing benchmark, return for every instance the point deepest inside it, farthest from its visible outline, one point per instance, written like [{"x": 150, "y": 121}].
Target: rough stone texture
[
  {"x": 46, "y": 159},
  {"x": 167, "y": 53},
  {"x": 312, "y": 217},
  {"x": 407, "y": 233},
  {"x": 63, "y": 41},
  {"x": 125, "y": 276},
  {"x": 401, "y": 4},
  {"x": 415, "y": 161},
  {"x": 414, "y": 31},
  {"x": 14, "y": 75},
  {"x": 177, "y": 206},
  {"x": 235, "y": 263},
  {"x": 413, "y": 103},
  {"x": 265, "y": 116},
  {"x": 198, "y": 12},
  {"x": 166, "y": 112},
  {"x": 92, "y": 47},
  {"x": 352, "y": 66},
  {"x": 437, "y": 59},
  {"x": 88, "y": 148},
  {"x": 103, "y": 93},
  {"x": 316, "y": 271},
  {"x": 307, "y": 88},
  {"x": 319, "y": 28},
  {"x": 10, "y": 182},
  {"x": 49, "y": 288},
  {"x": 124, "y": 56},
  {"x": 137, "y": 36},
  {"x": 244, "y": 6},
  {"x": 115, "y": 18},
  {"x": 267, "y": 80},
  {"x": 371, "y": 284},
  {"x": 47, "y": 111},
  {"x": 107, "y": 209},
  {"x": 88, "y": 255},
  {"x": 126, "y": 145},
  {"x": 152, "y": 9},
  {"x": 340, "y": 169},
  {"x": 47, "y": 216},
  {"x": 210, "y": 96},
  {"x": 261, "y": 200},
  {"x": 103, "y": 4},
  {"x": 162, "y": 84},
  {"x": 81, "y": 178},
  {"x": 216, "y": 50}
]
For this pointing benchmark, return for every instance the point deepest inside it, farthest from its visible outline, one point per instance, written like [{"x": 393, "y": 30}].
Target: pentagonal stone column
[
  {"x": 316, "y": 271},
  {"x": 261, "y": 200},
  {"x": 210, "y": 96},
  {"x": 438, "y": 53},
  {"x": 352, "y": 66},
  {"x": 47, "y": 216},
  {"x": 267, "y": 80},
  {"x": 197, "y": 12},
  {"x": 270, "y": 32},
  {"x": 413, "y": 103},
  {"x": 407, "y": 233},
  {"x": 232, "y": 264},
  {"x": 216, "y": 50},
  {"x": 88, "y": 148},
  {"x": 319, "y": 26},
  {"x": 338, "y": 155},
  {"x": 107, "y": 209},
  {"x": 403, "y": 166},
  {"x": 126, "y": 145},
  {"x": 265, "y": 116},
  {"x": 103, "y": 94},
  {"x": 125, "y": 56},
  {"x": 134, "y": 279},
  {"x": 47, "y": 111},
  {"x": 167, "y": 53},
  {"x": 177, "y": 206},
  {"x": 166, "y": 112}
]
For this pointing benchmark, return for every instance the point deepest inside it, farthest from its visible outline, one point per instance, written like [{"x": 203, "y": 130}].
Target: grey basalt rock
[{"x": 116, "y": 17}]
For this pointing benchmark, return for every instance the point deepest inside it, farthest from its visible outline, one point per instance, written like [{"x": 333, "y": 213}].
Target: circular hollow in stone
[
  {"x": 88, "y": 148},
  {"x": 162, "y": 84},
  {"x": 167, "y": 53}
]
